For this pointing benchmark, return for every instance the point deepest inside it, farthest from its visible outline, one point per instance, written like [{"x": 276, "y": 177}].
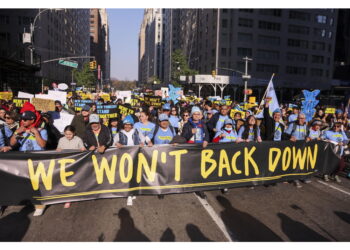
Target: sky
[{"x": 124, "y": 27}]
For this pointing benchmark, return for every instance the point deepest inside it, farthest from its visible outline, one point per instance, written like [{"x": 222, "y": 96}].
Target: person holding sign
[
  {"x": 274, "y": 128},
  {"x": 97, "y": 136},
  {"x": 129, "y": 136}
]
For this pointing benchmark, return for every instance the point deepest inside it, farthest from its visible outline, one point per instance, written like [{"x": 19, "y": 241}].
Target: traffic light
[
  {"x": 93, "y": 65},
  {"x": 213, "y": 73}
]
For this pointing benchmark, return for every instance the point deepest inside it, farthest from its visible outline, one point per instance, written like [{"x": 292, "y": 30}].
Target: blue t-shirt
[
  {"x": 163, "y": 137},
  {"x": 292, "y": 118},
  {"x": 299, "y": 132},
  {"x": 143, "y": 128},
  {"x": 174, "y": 121},
  {"x": 114, "y": 131},
  {"x": 8, "y": 134},
  {"x": 220, "y": 122},
  {"x": 251, "y": 133},
  {"x": 278, "y": 132},
  {"x": 30, "y": 144},
  {"x": 314, "y": 134},
  {"x": 335, "y": 136},
  {"x": 229, "y": 136}
]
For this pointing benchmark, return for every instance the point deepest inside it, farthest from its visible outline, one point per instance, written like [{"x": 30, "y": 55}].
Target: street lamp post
[{"x": 246, "y": 77}]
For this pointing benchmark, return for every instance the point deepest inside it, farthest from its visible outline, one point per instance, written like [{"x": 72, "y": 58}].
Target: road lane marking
[
  {"x": 334, "y": 187},
  {"x": 218, "y": 221}
]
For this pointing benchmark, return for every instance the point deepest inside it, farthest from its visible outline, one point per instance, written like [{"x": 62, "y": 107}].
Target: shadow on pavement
[
  {"x": 344, "y": 216},
  {"x": 14, "y": 226},
  {"x": 168, "y": 235},
  {"x": 297, "y": 231},
  {"x": 195, "y": 233},
  {"x": 128, "y": 231},
  {"x": 243, "y": 226}
]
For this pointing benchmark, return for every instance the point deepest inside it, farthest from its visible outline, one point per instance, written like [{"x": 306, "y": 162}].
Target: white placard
[
  {"x": 24, "y": 95},
  {"x": 63, "y": 121},
  {"x": 124, "y": 95},
  {"x": 165, "y": 92},
  {"x": 58, "y": 95}
]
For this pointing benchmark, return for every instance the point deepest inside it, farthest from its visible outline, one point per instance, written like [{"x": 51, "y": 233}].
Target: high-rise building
[
  {"x": 57, "y": 33},
  {"x": 151, "y": 54}
]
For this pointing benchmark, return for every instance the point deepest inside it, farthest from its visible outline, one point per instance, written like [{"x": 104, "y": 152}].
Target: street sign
[{"x": 72, "y": 64}]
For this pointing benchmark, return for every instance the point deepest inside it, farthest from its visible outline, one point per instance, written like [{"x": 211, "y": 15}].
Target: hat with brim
[
  {"x": 163, "y": 117},
  {"x": 316, "y": 122},
  {"x": 94, "y": 118},
  {"x": 28, "y": 115}
]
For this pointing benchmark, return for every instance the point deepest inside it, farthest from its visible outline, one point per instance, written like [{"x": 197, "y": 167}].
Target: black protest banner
[
  {"x": 107, "y": 111},
  {"x": 19, "y": 102},
  {"x": 124, "y": 110},
  {"x": 50, "y": 177},
  {"x": 135, "y": 102},
  {"x": 155, "y": 101},
  {"x": 79, "y": 104}
]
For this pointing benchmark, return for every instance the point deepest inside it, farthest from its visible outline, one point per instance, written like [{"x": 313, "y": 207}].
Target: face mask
[{"x": 228, "y": 129}]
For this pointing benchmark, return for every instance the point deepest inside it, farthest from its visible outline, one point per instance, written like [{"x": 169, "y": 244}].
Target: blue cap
[
  {"x": 163, "y": 117},
  {"x": 228, "y": 121},
  {"x": 249, "y": 111},
  {"x": 166, "y": 106},
  {"x": 195, "y": 109},
  {"x": 128, "y": 120},
  {"x": 339, "y": 111},
  {"x": 86, "y": 108},
  {"x": 277, "y": 110}
]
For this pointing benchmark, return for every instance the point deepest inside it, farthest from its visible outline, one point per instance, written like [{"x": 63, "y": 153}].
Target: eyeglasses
[{"x": 186, "y": 115}]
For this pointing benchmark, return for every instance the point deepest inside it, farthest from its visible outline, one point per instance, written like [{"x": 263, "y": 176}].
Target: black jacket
[
  {"x": 80, "y": 125},
  {"x": 104, "y": 138},
  {"x": 187, "y": 131},
  {"x": 269, "y": 124}
]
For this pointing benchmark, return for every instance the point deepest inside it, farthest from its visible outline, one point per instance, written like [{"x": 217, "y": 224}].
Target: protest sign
[
  {"x": 107, "y": 111},
  {"x": 6, "y": 95},
  {"x": 252, "y": 99},
  {"x": 41, "y": 177},
  {"x": 79, "y": 104},
  {"x": 174, "y": 93},
  {"x": 309, "y": 104},
  {"x": 155, "y": 101},
  {"x": 105, "y": 97},
  {"x": 24, "y": 95},
  {"x": 124, "y": 95},
  {"x": 20, "y": 101},
  {"x": 330, "y": 111},
  {"x": 123, "y": 110},
  {"x": 43, "y": 104},
  {"x": 165, "y": 92},
  {"x": 62, "y": 121},
  {"x": 234, "y": 111},
  {"x": 135, "y": 102},
  {"x": 57, "y": 95}
]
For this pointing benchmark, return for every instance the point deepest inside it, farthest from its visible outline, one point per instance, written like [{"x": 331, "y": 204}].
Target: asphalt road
[{"x": 318, "y": 211}]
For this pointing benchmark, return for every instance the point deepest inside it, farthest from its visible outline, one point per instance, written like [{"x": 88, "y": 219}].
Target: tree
[
  {"x": 84, "y": 76},
  {"x": 179, "y": 66},
  {"x": 124, "y": 85}
]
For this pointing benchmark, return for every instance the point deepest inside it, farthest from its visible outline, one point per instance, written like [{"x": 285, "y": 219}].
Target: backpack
[
  {"x": 6, "y": 140},
  {"x": 157, "y": 128}
]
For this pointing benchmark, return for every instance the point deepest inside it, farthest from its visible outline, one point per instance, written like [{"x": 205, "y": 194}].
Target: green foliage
[
  {"x": 153, "y": 79},
  {"x": 84, "y": 76},
  {"x": 124, "y": 85},
  {"x": 179, "y": 67}
]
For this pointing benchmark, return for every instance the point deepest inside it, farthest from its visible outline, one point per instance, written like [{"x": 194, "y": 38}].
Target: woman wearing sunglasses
[
  {"x": 184, "y": 119},
  {"x": 11, "y": 120}
]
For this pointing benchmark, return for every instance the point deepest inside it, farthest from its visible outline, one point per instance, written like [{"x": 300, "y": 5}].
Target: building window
[
  {"x": 321, "y": 19},
  {"x": 244, "y": 52},
  {"x": 224, "y": 23},
  {"x": 318, "y": 46},
  {"x": 223, "y": 52},
  {"x": 331, "y": 21},
  {"x": 241, "y": 66},
  {"x": 271, "y": 40},
  {"x": 296, "y": 57},
  {"x": 296, "y": 70},
  {"x": 319, "y": 32},
  {"x": 244, "y": 37},
  {"x": 330, "y": 34},
  {"x": 268, "y": 54},
  {"x": 267, "y": 68},
  {"x": 317, "y": 59},
  {"x": 298, "y": 29},
  {"x": 316, "y": 72},
  {"x": 299, "y": 15},
  {"x": 244, "y": 22},
  {"x": 4, "y": 37},
  {"x": 4, "y": 19},
  {"x": 269, "y": 25},
  {"x": 270, "y": 12},
  {"x": 298, "y": 43}
]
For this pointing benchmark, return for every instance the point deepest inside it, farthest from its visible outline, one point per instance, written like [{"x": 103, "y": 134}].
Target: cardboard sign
[
  {"x": 43, "y": 104},
  {"x": 63, "y": 121},
  {"x": 123, "y": 110},
  {"x": 19, "y": 102},
  {"x": 6, "y": 95},
  {"x": 234, "y": 111},
  {"x": 155, "y": 101},
  {"x": 79, "y": 104},
  {"x": 107, "y": 111}
]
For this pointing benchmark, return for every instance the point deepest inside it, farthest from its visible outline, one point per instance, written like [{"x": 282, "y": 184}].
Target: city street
[{"x": 318, "y": 211}]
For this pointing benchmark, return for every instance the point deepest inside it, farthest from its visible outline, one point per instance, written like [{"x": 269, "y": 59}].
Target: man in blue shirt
[
  {"x": 163, "y": 133},
  {"x": 293, "y": 117},
  {"x": 5, "y": 135}
]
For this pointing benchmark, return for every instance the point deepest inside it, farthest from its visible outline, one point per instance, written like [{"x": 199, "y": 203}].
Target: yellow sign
[
  {"x": 330, "y": 111},
  {"x": 6, "y": 95},
  {"x": 234, "y": 111},
  {"x": 252, "y": 99},
  {"x": 106, "y": 97},
  {"x": 43, "y": 104}
]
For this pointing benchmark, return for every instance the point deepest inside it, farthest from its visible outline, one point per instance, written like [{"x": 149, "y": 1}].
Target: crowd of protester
[{"x": 201, "y": 122}]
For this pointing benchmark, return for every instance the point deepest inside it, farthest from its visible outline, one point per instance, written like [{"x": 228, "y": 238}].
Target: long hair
[{"x": 245, "y": 134}]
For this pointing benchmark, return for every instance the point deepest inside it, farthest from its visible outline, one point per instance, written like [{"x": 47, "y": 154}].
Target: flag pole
[{"x": 273, "y": 74}]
